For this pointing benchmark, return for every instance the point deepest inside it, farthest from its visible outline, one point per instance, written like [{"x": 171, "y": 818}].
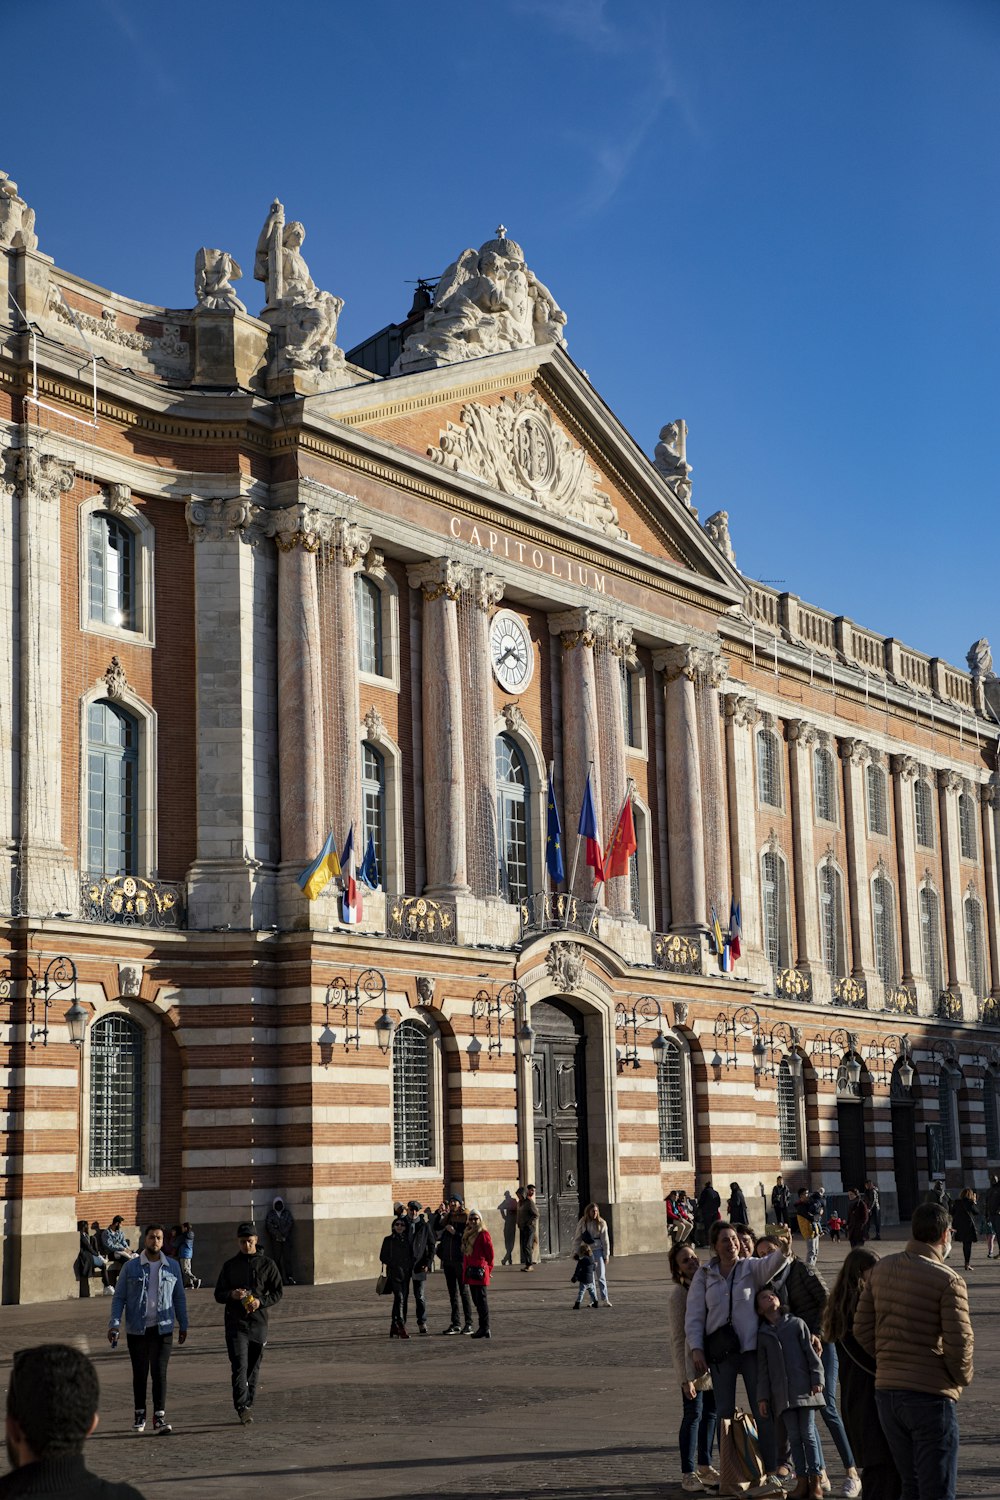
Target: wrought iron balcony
[
  {"x": 851, "y": 992},
  {"x": 418, "y": 919},
  {"x": 676, "y": 954},
  {"x": 549, "y": 911},
  {"x": 132, "y": 901},
  {"x": 794, "y": 984}
]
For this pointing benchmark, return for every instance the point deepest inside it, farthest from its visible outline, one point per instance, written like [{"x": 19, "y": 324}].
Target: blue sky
[{"x": 778, "y": 219}]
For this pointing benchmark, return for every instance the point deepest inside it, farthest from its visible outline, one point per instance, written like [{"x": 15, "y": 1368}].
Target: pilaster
[
  {"x": 611, "y": 649},
  {"x": 349, "y": 545},
  {"x": 950, "y": 787},
  {"x": 741, "y": 721},
  {"x": 685, "y": 817},
  {"x": 802, "y": 740},
  {"x": 855, "y": 756},
  {"x": 481, "y": 593},
  {"x": 708, "y": 692},
  {"x": 578, "y": 631},
  {"x": 904, "y": 770},
  {"x": 989, "y": 801}
]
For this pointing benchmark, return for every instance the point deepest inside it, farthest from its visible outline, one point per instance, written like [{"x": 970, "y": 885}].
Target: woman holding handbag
[
  {"x": 721, "y": 1326},
  {"x": 397, "y": 1261},
  {"x": 477, "y": 1268},
  {"x": 592, "y": 1230},
  {"x": 697, "y": 1434}
]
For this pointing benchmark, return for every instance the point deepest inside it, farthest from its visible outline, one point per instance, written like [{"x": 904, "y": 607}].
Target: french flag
[
  {"x": 587, "y": 829},
  {"x": 348, "y": 874}
]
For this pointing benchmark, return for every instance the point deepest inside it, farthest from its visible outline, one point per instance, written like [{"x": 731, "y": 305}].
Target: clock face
[{"x": 510, "y": 651}]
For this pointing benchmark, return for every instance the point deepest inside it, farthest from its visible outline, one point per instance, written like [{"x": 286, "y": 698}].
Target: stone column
[
  {"x": 904, "y": 770},
  {"x": 299, "y": 531},
  {"x": 609, "y": 651},
  {"x": 483, "y": 591},
  {"x": 685, "y": 818},
  {"x": 712, "y": 756},
  {"x": 989, "y": 803},
  {"x": 441, "y": 582},
  {"x": 741, "y": 722},
  {"x": 236, "y": 717},
  {"x": 855, "y": 756},
  {"x": 578, "y": 630},
  {"x": 950, "y": 787},
  {"x": 802, "y": 740},
  {"x": 45, "y": 878},
  {"x": 342, "y": 710}
]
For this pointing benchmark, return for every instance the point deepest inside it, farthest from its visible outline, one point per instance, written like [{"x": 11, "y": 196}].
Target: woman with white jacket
[
  {"x": 721, "y": 1325},
  {"x": 697, "y": 1434},
  {"x": 592, "y": 1230}
]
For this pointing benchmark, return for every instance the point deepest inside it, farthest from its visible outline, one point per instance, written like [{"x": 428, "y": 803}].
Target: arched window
[
  {"x": 112, "y": 790},
  {"x": 967, "y": 826},
  {"x": 116, "y": 1097},
  {"x": 975, "y": 948},
  {"x": 670, "y": 1103},
  {"x": 368, "y": 601},
  {"x": 774, "y": 905},
  {"x": 884, "y": 929},
  {"x": 992, "y": 1117},
  {"x": 111, "y": 571},
  {"x": 789, "y": 1130},
  {"x": 826, "y": 786},
  {"x": 948, "y": 1085},
  {"x": 768, "y": 768},
  {"x": 930, "y": 940},
  {"x": 412, "y": 1134},
  {"x": 831, "y": 911},
  {"x": 373, "y": 805},
  {"x": 923, "y": 808},
  {"x": 512, "y": 820},
  {"x": 878, "y": 811}
]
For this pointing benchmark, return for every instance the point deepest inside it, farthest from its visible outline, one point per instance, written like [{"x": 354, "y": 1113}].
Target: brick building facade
[{"x": 254, "y": 591}]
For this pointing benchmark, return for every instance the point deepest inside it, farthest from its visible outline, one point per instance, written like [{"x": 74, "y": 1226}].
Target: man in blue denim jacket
[{"x": 150, "y": 1291}]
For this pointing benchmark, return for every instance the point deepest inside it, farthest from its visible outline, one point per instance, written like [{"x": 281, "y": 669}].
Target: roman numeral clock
[{"x": 510, "y": 651}]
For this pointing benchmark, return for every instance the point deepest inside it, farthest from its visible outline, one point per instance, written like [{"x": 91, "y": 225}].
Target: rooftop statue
[
  {"x": 670, "y": 460},
  {"x": 17, "y": 220},
  {"x": 487, "y": 302},
  {"x": 980, "y": 658},
  {"x": 717, "y": 527},
  {"x": 214, "y": 273},
  {"x": 304, "y": 318}
]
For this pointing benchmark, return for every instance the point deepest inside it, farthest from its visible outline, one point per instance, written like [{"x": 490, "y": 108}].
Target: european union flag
[
  {"x": 369, "y": 866},
  {"x": 553, "y": 841}
]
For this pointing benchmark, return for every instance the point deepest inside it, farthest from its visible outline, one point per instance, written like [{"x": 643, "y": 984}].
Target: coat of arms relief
[{"x": 517, "y": 447}]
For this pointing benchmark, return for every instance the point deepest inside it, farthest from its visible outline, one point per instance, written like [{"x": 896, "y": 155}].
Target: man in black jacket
[
  {"x": 423, "y": 1245},
  {"x": 51, "y": 1411},
  {"x": 248, "y": 1285},
  {"x": 449, "y": 1225}
]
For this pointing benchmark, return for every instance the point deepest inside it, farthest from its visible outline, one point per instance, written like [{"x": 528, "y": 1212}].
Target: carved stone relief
[
  {"x": 115, "y": 679},
  {"x": 117, "y": 497},
  {"x": 425, "y": 989},
  {"x": 566, "y": 965},
  {"x": 129, "y": 980},
  {"x": 374, "y": 725},
  {"x": 517, "y": 447}
]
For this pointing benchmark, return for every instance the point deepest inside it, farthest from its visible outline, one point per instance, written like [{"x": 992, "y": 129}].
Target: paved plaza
[{"x": 558, "y": 1404}]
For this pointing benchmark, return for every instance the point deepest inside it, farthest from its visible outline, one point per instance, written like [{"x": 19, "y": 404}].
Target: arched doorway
[
  {"x": 903, "y": 1110},
  {"x": 851, "y": 1126},
  {"x": 558, "y": 1088}
]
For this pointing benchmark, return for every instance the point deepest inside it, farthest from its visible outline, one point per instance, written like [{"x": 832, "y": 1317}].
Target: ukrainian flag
[{"x": 317, "y": 876}]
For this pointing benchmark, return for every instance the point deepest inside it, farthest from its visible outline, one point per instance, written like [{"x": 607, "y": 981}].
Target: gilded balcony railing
[{"x": 132, "y": 901}]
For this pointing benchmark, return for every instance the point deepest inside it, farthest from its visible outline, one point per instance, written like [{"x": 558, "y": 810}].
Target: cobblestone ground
[{"x": 555, "y": 1405}]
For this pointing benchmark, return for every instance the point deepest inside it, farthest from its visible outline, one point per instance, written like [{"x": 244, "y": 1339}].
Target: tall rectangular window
[
  {"x": 670, "y": 1104},
  {"x": 967, "y": 826},
  {"x": 826, "y": 796},
  {"x": 768, "y": 768},
  {"x": 975, "y": 947},
  {"x": 373, "y": 804},
  {"x": 884, "y": 925},
  {"x": 923, "y": 808},
  {"x": 830, "y": 920},
  {"x": 878, "y": 811},
  {"x": 368, "y": 600},
  {"x": 930, "y": 940},
  {"x": 411, "y": 1097},
  {"x": 112, "y": 791},
  {"x": 111, "y": 571},
  {"x": 789, "y": 1134},
  {"x": 773, "y": 906},
  {"x": 116, "y": 1103}
]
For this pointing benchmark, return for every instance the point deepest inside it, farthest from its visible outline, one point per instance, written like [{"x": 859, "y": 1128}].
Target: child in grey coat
[
  {"x": 790, "y": 1385},
  {"x": 584, "y": 1275}
]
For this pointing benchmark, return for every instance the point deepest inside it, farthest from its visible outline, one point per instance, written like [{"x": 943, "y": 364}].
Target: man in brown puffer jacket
[{"x": 914, "y": 1317}]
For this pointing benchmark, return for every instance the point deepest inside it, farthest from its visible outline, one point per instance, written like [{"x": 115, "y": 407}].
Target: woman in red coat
[{"x": 477, "y": 1268}]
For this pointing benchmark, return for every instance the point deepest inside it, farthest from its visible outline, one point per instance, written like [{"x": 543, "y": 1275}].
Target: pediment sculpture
[
  {"x": 517, "y": 446},
  {"x": 304, "y": 319},
  {"x": 486, "y": 302}
]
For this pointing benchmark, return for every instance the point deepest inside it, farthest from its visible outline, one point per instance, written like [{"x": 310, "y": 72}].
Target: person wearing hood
[
  {"x": 737, "y": 1206},
  {"x": 279, "y": 1225},
  {"x": 249, "y": 1285},
  {"x": 709, "y": 1210},
  {"x": 396, "y": 1257}
]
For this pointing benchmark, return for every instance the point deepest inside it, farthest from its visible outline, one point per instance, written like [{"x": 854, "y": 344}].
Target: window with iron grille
[
  {"x": 923, "y": 807},
  {"x": 826, "y": 793},
  {"x": 631, "y": 687},
  {"x": 948, "y": 1112},
  {"x": 884, "y": 924},
  {"x": 975, "y": 948},
  {"x": 368, "y": 601},
  {"x": 772, "y": 878},
  {"x": 878, "y": 812},
  {"x": 768, "y": 768},
  {"x": 992, "y": 1119},
  {"x": 930, "y": 940},
  {"x": 111, "y": 582},
  {"x": 373, "y": 802},
  {"x": 411, "y": 1097},
  {"x": 831, "y": 919},
  {"x": 512, "y": 819},
  {"x": 789, "y": 1134},
  {"x": 670, "y": 1104},
  {"x": 112, "y": 791},
  {"x": 116, "y": 1102},
  {"x": 967, "y": 826}
]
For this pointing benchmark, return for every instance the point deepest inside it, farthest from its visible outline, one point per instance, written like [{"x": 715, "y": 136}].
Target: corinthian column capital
[
  {"x": 855, "y": 752},
  {"x": 440, "y": 577},
  {"x": 299, "y": 525},
  {"x": 40, "y": 474},
  {"x": 215, "y": 520},
  {"x": 353, "y": 542},
  {"x": 740, "y": 710},
  {"x": 801, "y": 732},
  {"x": 578, "y": 627},
  {"x": 904, "y": 766},
  {"x": 678, "y": 661}
]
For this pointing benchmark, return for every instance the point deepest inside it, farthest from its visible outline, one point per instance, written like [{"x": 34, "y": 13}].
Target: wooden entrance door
[
  {"x": 904, "y": 1156},
  {"x": 851, "y": 1129},
  {"x": 558, "y": 1095}
]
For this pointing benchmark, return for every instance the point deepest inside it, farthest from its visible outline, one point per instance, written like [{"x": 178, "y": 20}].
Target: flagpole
[
  {"x": 576, "y": 861},
  {"x": 629, "y": 785}
]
